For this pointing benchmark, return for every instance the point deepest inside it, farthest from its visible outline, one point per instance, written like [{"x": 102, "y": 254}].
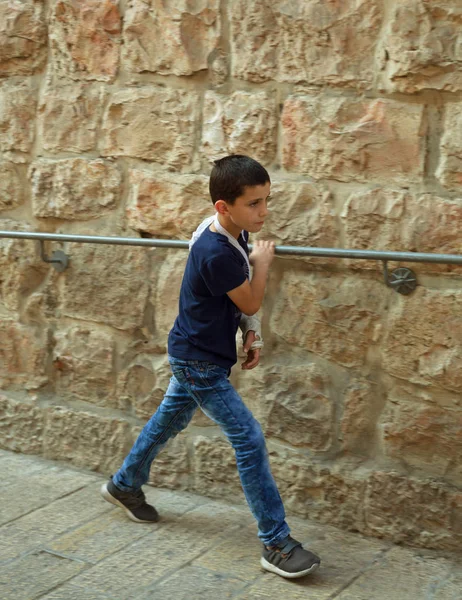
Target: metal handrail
[{"x": 402, "y": 280}]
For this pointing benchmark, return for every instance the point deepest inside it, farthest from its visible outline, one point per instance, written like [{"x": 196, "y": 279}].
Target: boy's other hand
[
  {"x": 253, "y": 354},
  {"x": 262, "y": 253}
]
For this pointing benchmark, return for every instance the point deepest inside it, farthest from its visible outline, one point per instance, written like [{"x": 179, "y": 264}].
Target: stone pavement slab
[{"x": 61, "y": 541}]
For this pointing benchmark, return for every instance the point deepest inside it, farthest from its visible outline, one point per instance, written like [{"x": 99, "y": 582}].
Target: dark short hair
[{"x": 232, "y": 174}]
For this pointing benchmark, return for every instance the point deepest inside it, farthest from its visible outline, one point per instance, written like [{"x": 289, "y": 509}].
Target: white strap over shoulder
[{"x": 246, "y": 323}]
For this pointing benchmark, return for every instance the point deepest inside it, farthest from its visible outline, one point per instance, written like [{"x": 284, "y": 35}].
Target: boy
[{"x": 215, "y": 291}]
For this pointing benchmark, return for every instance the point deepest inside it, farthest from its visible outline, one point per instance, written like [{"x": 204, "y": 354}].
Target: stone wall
[{"x": 110, "y": 115}]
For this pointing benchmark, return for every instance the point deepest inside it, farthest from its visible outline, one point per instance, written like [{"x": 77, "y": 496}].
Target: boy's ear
[{"x": 221, "y": 207}]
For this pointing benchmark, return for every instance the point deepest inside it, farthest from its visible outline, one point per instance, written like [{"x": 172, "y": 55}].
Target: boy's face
[{"x": 249, "y": 210}]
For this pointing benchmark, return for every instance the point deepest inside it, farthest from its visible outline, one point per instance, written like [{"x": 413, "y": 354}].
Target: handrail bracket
[
  {"x": 402, "y": 279},
  {"x": 59, "y": 260}
]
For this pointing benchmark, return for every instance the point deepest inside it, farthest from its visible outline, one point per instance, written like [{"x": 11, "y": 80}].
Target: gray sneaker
[
  {"x": 133, "y": 503},
  {"x": 289, "y": 559}
]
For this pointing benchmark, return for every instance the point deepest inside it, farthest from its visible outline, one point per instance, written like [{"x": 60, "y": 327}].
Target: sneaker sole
[
  {"x": 269, "y": 567},
  {"x": 110, "y": 498}
]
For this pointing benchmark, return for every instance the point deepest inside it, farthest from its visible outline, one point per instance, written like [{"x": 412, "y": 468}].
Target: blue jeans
[{"x": 205, "y": 385}]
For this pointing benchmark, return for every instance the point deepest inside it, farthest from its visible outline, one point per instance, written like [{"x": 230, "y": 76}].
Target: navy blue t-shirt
[{"x": 206, "y": 326}]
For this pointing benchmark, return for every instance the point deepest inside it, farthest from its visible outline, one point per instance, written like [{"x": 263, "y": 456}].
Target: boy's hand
[
  {"x": 253, "y": 354},
  {"x": 262, "y": 253}
]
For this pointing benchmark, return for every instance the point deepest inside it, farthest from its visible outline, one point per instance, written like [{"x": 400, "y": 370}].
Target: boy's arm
[{"x": 248, "y": 297}]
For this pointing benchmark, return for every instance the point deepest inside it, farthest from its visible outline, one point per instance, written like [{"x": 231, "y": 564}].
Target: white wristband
[{"x": 251, "y": 324}]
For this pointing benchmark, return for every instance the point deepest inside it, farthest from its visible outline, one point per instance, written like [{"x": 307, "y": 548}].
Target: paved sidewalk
[{"x": 61, "y": 541}]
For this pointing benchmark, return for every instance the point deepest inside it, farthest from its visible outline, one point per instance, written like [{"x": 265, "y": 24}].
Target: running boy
[{"x": 216, "y": 293}]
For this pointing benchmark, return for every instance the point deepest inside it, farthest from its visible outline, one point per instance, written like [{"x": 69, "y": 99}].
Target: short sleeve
[{"x": 223, "y": 273}]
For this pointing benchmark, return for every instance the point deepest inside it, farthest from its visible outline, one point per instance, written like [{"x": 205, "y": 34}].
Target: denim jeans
[{"x": 205, "y": 385}]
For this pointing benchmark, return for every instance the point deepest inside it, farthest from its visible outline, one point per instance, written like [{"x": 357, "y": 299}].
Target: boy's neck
[{"x": 230, "y": 227}]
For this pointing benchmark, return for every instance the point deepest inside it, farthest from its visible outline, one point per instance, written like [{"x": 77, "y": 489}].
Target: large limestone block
[
  {"x": 242, "y": 123},
  {"x": 449, "y": 171},
  {"x": 433, "y": 225},
  {"x": 85, "y": 439},
  {"x": 174, "y": 37},
  {"x": 353, "y": 140},
  {"x": 165, "y": 297},
  {"x": 21, "y": 269},
  {"x": 339, "y": 319},
  {"x": 412, "y": 511},
  {"x": 70, "y": 114},
  {"x": 23, "y": 356},
  {"x": 11, "y": 186},
  {"x": 167, "y": 205},
  {"x": 314, "y": 42},
  {"x": 171, "y": 467},
  {"x": 83, "y": 363},
  {"x": 74, "y": 188},
  {"x": 374, "y": 220},
  {"x": 423, "y": 433},
  {"x": 301, "y": 410},
  {"x": 421, "y": 48},
  {"x": 23, "y": 37},
  {"x": 315, "y": 491},
  {"x": 21, "y": 426},
  {"x": 152, "y": 123},
  {"x": 214, "y": 469},
  {"x": 362, "y": 402},
  {"x": 424, "y": 339},
  {"x": 301, "y": 214},
  {"x": 106, "y": 284},
  {"x": 396, "y": 220},
  {"x": 18, "y": 103},
  {"x": 85, "y": 39},
  {"x": 142, "y": 384}
]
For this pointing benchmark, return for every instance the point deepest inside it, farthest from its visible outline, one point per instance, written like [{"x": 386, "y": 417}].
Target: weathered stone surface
[
  {"x": 21, "y": 270},
  {"x": 313, "y": 42},
  {"x": 83, "y": 362},
  {"x": 426, "y": 350},
  {"x": 243, "y": 123},
  {"x": 153, "y": 123},
  {"x": 361, "y": 402},
  {"x": 408, "y": 510},
  {"x": 171, "y": 466},
  {"x": 11, "y": 189},
  {"x": 449, "y": 171},
  {"x": 142, "y": 384},
  {"x": 166, "y": 295},
  {"x": 421, "y": 47},
  {"x": 21, "y": 426},
  {"x": 170, "y": 37},
  {"x": 85, "y": 39},
  {"x": 374, "y": 220},
  {"x": 414, "y": 575},
  {"x": 70, "y": 114},
  {"x": 23, "y": 353},
  {"x": 301, "y": 410},
  {"x": 397, "y": 220},
  {"x": 23, "y": 37},
  {"x": 301, "y": 214},
  {"x": 323, "y": 493},
  {"x": 167, "y": 205},
  {"x": 433, "y": 225},
  {"x": 85, "y": 439},
  {"x": 332, "y": 317},
  {"x": 48, "y": 572},
  {"x": 214, "y": 469},
  {"x": 74, "y": 188},
  {"x": 18, "y": 103},
  {"x": 120, "y": 297},
  {"x": 422, "y": 433},
  {"x": 353, "y": 140}
]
